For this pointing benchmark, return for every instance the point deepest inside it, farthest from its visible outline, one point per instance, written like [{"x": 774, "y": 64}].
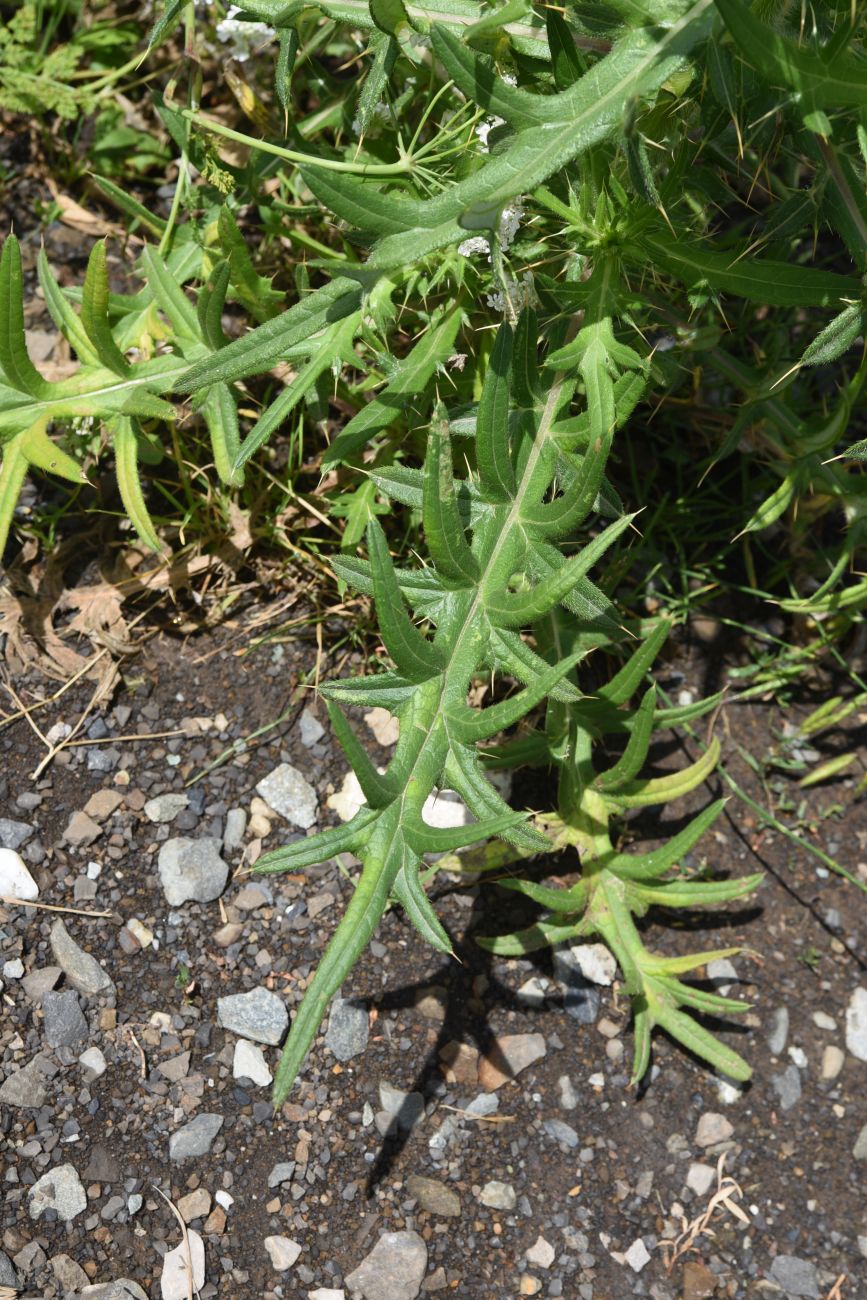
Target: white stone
[
  {"x": 283, "y": 1252},
  {"x": 14, "y": 969},
  {"x": 712, "y": 1129},
  {"x": 498, "y": 1196},
  {"x": 729, "y": 1093},
  {"x": 310, "y": 727},
  {"x": 833, "y": 1060},
  {"x": 445, "y": 809},
  {"x": 290, "y": 794},
  {"x": 595, "y": 962},
  {"x": 799, "y": 1056},
  {"x": 335, "y": 1293},
  {"x": 637, "y": 1255},
  {"x": 249, "y": 1063},
  {"x": 15, "y": 880},
  {"x": 723, "y": 973},
  {"x": 348, "y": 799},
  {"x": 856, "y": 1024},
  {"x": 384, "y": 726},
  {"x": 140, "y": 931},
  {"x": 165, "y": 807},
  {"x": 700, "y": 1178},
  {"x": 94, "y": 870},
  {"x": 224, "y": 1199},
  {"x": 175, "y": 1277},
  {"x": 61, "y": 1190},
  {"x": 541, "y": 1253},
  {"x": 93, "y": 1062},
  {"x": 823, "y": 1021}
]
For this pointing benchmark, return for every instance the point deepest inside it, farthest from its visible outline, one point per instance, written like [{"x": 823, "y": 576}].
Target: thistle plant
[
  {"x": 496, "y": 571},
  {"x": 568, "y": 175}
]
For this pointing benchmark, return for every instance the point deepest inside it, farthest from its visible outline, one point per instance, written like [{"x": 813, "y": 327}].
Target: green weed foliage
[{"x": 515, "y": 232}]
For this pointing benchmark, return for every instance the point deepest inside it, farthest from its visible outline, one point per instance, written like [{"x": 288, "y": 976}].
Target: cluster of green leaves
[{"x": 496, "y": 570}]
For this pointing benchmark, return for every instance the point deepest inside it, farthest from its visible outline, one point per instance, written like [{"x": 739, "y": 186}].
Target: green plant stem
[{"x": 402, "y": 168}]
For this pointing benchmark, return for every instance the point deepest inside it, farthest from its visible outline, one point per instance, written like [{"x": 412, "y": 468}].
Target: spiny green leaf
[
  {"x": 411, "y": 651},
  {"x": 567, "y": 901},
  {"x": 443, "y": 527},
  {"x": 94, "y": 311},
  {"x": 649, "y": 866},
  {"x": 773, "y": 284},
  {"x": 125, "y": 447},
  {"x": 496, "y": 471},
  {"x": 378, "y": 790},
  {"x": 15, "y": 362},
  {"x": 635, "y": 753},
  {"x": 641, "y": 794},
  {"x": 263, "y": 347},
  {"x": 512, "y": 609},
  {"x": 409, "y": 892},
  {"x": 318, "y": 848},
  {"x": 813, "y": 80},
  {"x": 405, "y": 389},
  {"x": 694, "y": 893},
  {"x": 470, "y": 725}
]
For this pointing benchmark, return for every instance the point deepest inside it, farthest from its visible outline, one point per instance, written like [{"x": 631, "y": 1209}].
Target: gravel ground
[{"x": 463, "y": 1129}]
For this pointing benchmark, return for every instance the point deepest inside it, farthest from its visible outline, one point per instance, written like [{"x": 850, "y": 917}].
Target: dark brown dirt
[{"x": 803, "y": 1194}]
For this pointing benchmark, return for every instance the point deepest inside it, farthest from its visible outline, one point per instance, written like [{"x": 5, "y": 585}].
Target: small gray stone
[
  {"x": 283, "y": 1252},
  {"x": 40, "y": 981},
  {"x": 581, "y": 997},
  {"x": 122, "y": 1289},
  {"x": 70, "y": 1275},
  {"x": 15, "y": 880},
  {"x": 712, "y": 1129},
  {"x": 192, "y": 870},
  {"x": 567, "y": 1097},
  {"x": 533, "y": 991},
  {"x": 93, "y": 1062},
  {"x": 796, "y": 1276},
  {"x": 723, "y": 974},
  {"x": 404, "y": 1109},
  {"x": 195, "y": 1138},
  {"x": 165, "y": 807},
  {"x": 65, "y": 1026},
  {"x": 236, "y": 825},
  {"x": 249, "y": 1063},
  {"x": 61, "y": 1190},
  {"x": 258, "y": 1015},
  {"x": 311, "y": 729},
  {"x": 637, "y": 1255},
  {"x": 82, "y": 971},
  {"x": 700, "y": 1178},
  {"x": 434, "y": 1196},
  {"x": 288, "y": 792},
  {"x": 498, "y": 1196},
  {"x": 787, "y": 1086},
  {"x": 14, "y": 834},
  {"x": 859, "y": 1151},
  {"x": 856, "y": 1024},
  {"x": 281, "y": 1173},
  {"x": 395, "y": 1268},
  {"x": 560, "y": 1132},
  {"x": 348, "y": 1029},
  {"x": 9, "y": 1273},
  {"x": 833, "y": 1060},
  {"x": 778, "y": 1031}
]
